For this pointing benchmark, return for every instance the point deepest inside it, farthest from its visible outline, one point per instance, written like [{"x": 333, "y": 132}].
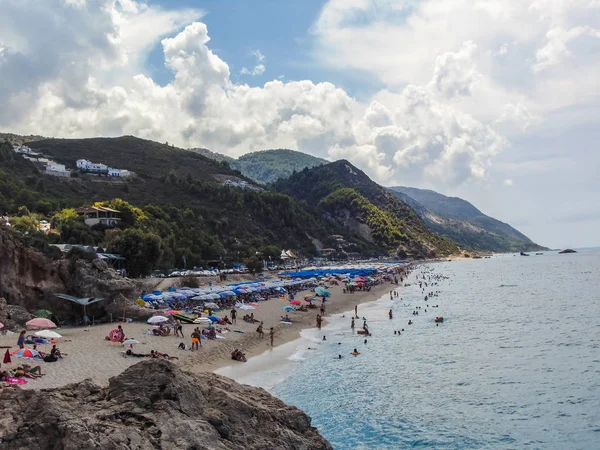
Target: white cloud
[
  {"x": 259, "y": 68},
  {"x": 508, "y": 182},
  {"x": 459, "y": 75}
]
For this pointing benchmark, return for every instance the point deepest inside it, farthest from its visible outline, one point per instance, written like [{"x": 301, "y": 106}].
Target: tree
[
  {"x": 271, "y": 252},
  {"x": 254, "y": 265},
  {"x": 141, "y": 250}
]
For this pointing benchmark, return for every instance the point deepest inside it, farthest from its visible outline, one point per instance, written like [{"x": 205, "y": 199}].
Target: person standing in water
[
  {"x": 390, "y": 314},
  {"x": 319, "y": 320},
  {"x": 352, "y": 323},
  {"x": 356, "y": 310}
]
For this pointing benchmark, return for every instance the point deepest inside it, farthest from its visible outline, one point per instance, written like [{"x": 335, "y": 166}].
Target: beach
[{"x": 89, "y": 355}]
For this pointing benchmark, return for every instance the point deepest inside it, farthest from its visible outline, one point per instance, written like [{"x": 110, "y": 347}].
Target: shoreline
[{"x": 89, "y": 356}]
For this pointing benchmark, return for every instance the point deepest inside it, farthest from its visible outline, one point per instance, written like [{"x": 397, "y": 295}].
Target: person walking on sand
[
  {"x": 260, "y": 331},
  {"x": 21, "y": 339},
  {"x": 271, "y": 335},
  {"x": 233, "y": 315},
  {"x": 178, "y": 328}
]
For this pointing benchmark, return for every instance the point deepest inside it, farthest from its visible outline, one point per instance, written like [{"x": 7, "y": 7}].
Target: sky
[{"x": 494, "y": 101}]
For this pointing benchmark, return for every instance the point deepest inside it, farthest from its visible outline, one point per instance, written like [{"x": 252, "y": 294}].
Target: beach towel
[
  {"x": 16, "y": 381},
  {"x": 7, "y": 359}
]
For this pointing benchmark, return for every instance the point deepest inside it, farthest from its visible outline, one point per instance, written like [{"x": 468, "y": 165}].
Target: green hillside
[
  {"x": 348, "y": 196},
  {"x": 178, "y": 196},
  {"x": 464, "y": 223}
]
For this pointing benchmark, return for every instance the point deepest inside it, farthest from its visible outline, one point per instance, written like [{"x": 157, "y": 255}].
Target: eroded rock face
[
  {"x": 29, "y": 279},
  {"x": 154, "y": 405}
]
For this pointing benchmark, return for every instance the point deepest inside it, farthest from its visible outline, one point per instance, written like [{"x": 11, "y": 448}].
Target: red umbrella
[
  {"x": 40, "y": 322},
  {"x": 7, "y": 359},
  {"x": 295, "y": 302}
]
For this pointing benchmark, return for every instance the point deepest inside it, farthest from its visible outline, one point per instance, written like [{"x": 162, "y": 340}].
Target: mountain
[
  {"x": 464, "y": 223},
  {"x": 346, "y": 195},
  {"x": 266, "y": 166},
  {"x": 178, "y": 197}
]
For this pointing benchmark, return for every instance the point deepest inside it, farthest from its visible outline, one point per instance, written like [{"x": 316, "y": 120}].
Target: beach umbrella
[
  {"x": 157, "y": 319},
  {"x": 253, "y": 304},
  {"x": 214, "y": 319},
  {"x": 211, "y": 305},
  {"x": 202, "y": 320},
  {"x": 130, "y": 342},
  {"x": 26, "y": 353},
  {"x": 7, "y": 359},
  {"x": 48, "y": 334},
  {"x": 40, "y": 322},
  {"x": 171, "y": 312},
  {"x": 115, "y": 335},
  {"x": 319, "y": 290},
  {"x": 289, "y": 308},
  {"x": 246, "y": 307},
  {"x": 295, "y": 302},
  {"x": 42, "y": 313}
]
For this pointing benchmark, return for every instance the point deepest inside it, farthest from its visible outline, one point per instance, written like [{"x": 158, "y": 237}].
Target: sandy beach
[{"x": 88, "y": 355}]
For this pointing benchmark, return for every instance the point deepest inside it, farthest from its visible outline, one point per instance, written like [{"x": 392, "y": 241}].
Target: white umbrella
[
  {"x": 157, "y": 319},
  {"x": 48, "y": 334},
  {"x": 130, "y": 342},
  {"x": 246, "y": 307}
]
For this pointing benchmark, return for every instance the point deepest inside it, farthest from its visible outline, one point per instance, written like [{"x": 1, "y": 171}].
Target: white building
[
  {"x": 22, "y": 149},
  {"x": 89, "y": 166},
  {"x": 94, "y": 215},
  {"x": 57, "y": 170}
]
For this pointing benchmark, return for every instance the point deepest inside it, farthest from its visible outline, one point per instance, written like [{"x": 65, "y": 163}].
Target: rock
[
  {"x": 29, "y": 279},
  {"x": 567, "y": 250},
  {"x": 154, "y": 405},
  {"x": 13, "y": 317}
]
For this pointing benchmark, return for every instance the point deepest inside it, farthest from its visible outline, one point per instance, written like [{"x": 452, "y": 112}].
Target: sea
[{"x": 515, "y": 364}]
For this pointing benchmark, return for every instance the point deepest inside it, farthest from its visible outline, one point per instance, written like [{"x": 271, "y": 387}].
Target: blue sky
[
  {"x": 495, "y": 102},
  {"x": 279, "y": 29}
]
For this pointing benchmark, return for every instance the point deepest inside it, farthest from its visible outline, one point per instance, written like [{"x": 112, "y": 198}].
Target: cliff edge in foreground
[{"x": 154, "y": 405}]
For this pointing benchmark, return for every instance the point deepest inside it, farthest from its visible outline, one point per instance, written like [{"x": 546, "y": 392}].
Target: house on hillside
[
  {"x": 57, "y": 170},
  {"x": 95, "y": 215},
  {"x": 22, "y": 149},
  {"x": 119, "y": 173},
  {"x": 88, "y": 166}
]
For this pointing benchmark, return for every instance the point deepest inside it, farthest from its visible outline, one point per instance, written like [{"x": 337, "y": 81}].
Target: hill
[
  {"x": 346, "y": 195},
  {"x": 179, "y": 198},
  {"x": 464, "y": 223},
  {"x": 268, "y": 166}
]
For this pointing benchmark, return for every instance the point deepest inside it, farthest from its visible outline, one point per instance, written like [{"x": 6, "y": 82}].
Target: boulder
[
  {"x": 567, "y": 250},
  {"x": 154, "y": 405}
]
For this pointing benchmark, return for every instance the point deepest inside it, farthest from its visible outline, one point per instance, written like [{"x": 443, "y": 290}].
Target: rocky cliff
[
  {"x": 154, "y": 405},
  {"x": 30, "y": 279}
]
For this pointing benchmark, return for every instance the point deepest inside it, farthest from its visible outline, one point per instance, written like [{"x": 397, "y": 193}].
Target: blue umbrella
[
  {"x": 214, "y": 318},
  {"x": 289, "y": 308}
]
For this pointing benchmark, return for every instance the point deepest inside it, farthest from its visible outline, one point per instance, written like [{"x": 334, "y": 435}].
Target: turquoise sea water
[{"x": 516, "y": 363}]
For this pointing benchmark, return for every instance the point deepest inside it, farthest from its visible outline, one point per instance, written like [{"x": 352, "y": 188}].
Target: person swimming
[
  {"x": 355, "y": 353},
  {"x": 410, "y": 322}
]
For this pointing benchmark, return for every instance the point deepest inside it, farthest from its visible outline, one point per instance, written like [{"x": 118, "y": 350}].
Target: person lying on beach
[
  {"x": 42, "y": 354},
  {"x": 156, "y": 354},
  {"x": 26, "y": 371},
  {"x": 130, "y": 352}
]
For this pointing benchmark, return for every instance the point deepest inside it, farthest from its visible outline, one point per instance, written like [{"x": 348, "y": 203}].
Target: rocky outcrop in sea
[{"x": 154, "y": 405}]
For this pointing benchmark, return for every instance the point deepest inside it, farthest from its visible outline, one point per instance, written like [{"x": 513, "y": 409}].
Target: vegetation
[
  {"x": 178, "y": 214},
  {"x": 267, "y": 166},
  {"x": 348, "y": 195}
]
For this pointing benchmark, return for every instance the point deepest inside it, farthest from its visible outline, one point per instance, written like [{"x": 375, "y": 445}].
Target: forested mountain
[
  {"x": 177, "y": 206},
  {"x": 267, "y": 166},
  {"x": 463, "y": 222},
  {"x": 346, "y": 195}
]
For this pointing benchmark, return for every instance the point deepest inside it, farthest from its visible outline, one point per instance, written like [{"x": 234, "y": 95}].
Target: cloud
[
  {"x": 459, "y": 76},
  {"x": 259, "y": 68},
  {"x": 508, "y": 182}
]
